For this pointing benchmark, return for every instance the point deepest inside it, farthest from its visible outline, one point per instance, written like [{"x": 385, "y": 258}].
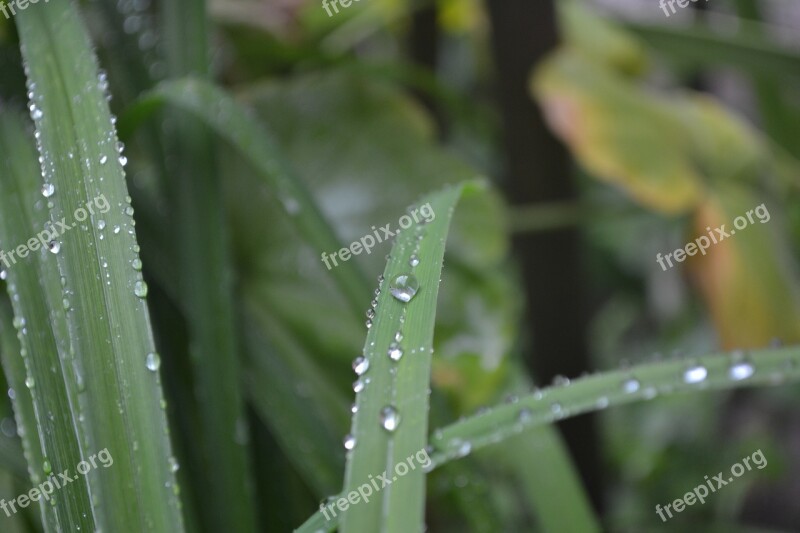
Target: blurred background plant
[{"x": 611, "y": 133}]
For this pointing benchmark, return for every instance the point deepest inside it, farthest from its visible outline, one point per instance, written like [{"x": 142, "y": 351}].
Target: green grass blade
[
  {"x": 48, "y": 380},
  {"x": 592, "y": 393},
  {"x": 15, "y": 459},
  {"x": 95, "y": 274},
  {"x": 304, "y": 412},
  {"x": 607, "y": 389},
  {"x": 235, "y": 124},
  {"x": 206, "y": 285},
  {"x": 402, "y": 386}
]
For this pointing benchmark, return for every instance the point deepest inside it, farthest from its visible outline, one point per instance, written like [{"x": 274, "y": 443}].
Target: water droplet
[
  {"x": 741, "y": 371},
  {"x": 140, "y": 289},
  {"x": 103, "y": 159},
  {"x": 101, "y": 225},
  {"x": 556, "y": 408},
  {"x": 695, "y": 374},
  {"x": 602, "y": 402},
  {"x": 524, "y": 415},
  {"x": 398, "y": 336},
  {"x": 3, "y": 275},
  {"x": 65, "y": 304},
  {"x": 354, "y": 408},
  {"x": 630, "y": 385},
  {"x": 152, "y": 362},
  {"x": 122, "y": 160},
  {"x": 395, "y": 352},
  {"x": 464, "y": 449},
  {"x": 54, "y": 246},
  {"x": 404, "y": 287},
  {"x": 174, "y": 466},
  {"x": 129, "y": 211},
  {"x": 370, "y": 314},
  {"x": 48, "y": 189},
  {"x": 137, "y": 264},
  {"x": 360, "y": 365},
  {"x": 368, "y": 323},
  {"x": 413, "y": 261},
  {"x": 349, "y": 442},
  {"x": 389, "y": 418},
  {"x": 560, "y": 381},
  {"x": 48, "y": 469},
  {"x": 30, "y": 382},
  {"x": 36, "y": 113},
  {"x": 358, "y": 385}
]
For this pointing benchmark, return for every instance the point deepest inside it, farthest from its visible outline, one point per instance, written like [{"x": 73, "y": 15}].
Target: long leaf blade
[{"x": 107, "y": 335}]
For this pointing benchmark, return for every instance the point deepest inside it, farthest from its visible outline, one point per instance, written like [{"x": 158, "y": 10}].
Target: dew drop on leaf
[
  {"x": 360, "y": 365},
  {"x": 389, "y": 418},
  {"x": 48, "y": 189},
  {"x": 695, "y": 374},
  {"x": 404, "y": 287},
  {"x": 54, "y": 246},
  {"x": 349, "y": 442},
  {"x": 630, "y": 385},
  {"x": 140, "y": 289},
  {"x": 740, "y": 371},
  {"x": 152, "y": 362},
  {"x": 395, "y": 352}
]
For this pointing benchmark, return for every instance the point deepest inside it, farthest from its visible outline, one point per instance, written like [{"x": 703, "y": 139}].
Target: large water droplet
[
  {"x": 358, "y": 385},
  {"x": 740, "y": 371},
  {"x": 30, "y": 382},
  {"x": 404, "y": 287},
  {"x": 48, "y": 189},
  {"x": 54, "y": 246},
  {"x": 152, "y": 361},
  {"x": 140, "y": 289},
  {"x": 354, "y": 408},
  {"x": 395, "y": 352},
  {"x": 398, "y": 336},
  {"x": 47, "y": 468},
  {"x": 3, "y": 275},
  {"x": 413, "y": 261},
  {"x": 349, "y": 442},
  {"x": 389, "y": 418},
  {"x": 630, "y": 385},
  {"x": 695, "y": 374},
  {"x": 360, "y": 365},
  {"x": 174, "y": 466},
  {"x": 103, "y": 159},
  {"x": 137, "y": 264}
]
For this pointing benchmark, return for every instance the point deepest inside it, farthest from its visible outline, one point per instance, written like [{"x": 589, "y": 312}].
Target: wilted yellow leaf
[{"x": 746, "y": 279}]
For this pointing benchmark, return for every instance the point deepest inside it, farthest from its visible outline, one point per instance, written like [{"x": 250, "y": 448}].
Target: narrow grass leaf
[
  {"x": 92, "y": 280},
  {"x": 249, "y": 137},
  {"x": 390, "y": 425}
]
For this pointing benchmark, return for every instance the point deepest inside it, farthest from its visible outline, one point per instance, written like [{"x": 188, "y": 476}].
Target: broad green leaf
[
  {"x": 621, "y": 134},
  {"x": 92, "y": 281},
  {"x": 747, "y": 278}
]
